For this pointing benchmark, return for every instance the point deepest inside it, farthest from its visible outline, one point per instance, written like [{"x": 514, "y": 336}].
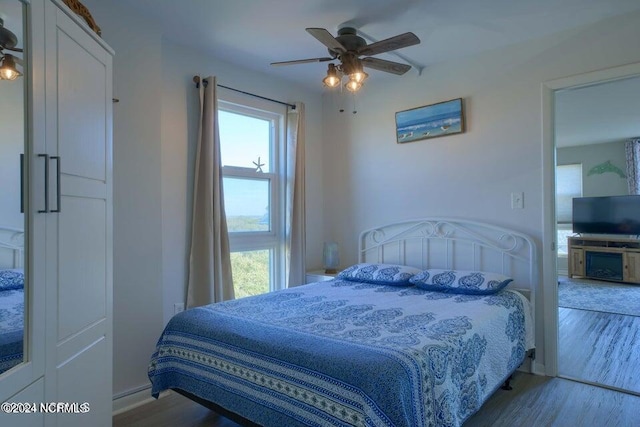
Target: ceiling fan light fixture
[
  {"x": 8, "y": 70},
  {"x": 352, "y": 85},
  {"x": 7, "y": 38},
  {"x": 348, "y": 48},
  {"x": 332, "y": 79},
  {"x": 359, "y": 76}
]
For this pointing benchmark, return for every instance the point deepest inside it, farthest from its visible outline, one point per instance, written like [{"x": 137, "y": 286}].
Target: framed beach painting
[{"x": 430, "y": 121}]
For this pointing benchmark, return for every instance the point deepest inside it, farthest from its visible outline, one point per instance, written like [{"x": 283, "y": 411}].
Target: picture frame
[{"x": 430, "y": 121}]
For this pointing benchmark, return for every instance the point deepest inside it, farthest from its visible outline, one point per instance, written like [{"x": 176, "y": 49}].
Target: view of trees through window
[
  {"x": 250, "y": 141},
  {"x": 250, "y": 272}
]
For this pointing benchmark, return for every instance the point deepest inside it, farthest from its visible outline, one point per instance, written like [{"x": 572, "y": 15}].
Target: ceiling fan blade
[
  {"x": 384, "y": 65},
  {"x": 325, "y": 37},
  {"x": 302, "y": 61},
  {"x": 14, "y": 49},
  {"x": 392, "y": 43}
]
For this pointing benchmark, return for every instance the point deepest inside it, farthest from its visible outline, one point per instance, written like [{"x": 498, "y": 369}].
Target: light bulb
[
  {"x": 359, "y": 76},
  {"x": 8, "y": 69},
  {"x": 332, "y": 79},
  {"x": 353, "y": 86}
]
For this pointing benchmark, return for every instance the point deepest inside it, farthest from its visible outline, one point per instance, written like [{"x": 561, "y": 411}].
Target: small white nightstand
[{"x": 319, "y": 276}]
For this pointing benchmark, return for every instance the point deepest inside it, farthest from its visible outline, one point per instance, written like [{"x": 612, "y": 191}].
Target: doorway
[{"x": 594, "y": 342}]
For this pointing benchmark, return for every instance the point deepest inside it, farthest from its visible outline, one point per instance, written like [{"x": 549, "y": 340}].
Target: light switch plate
[{"x": 517, "y": 200}]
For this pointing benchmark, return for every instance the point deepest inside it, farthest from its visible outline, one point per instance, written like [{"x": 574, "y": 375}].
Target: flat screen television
[{"x": 607, "y": 215}]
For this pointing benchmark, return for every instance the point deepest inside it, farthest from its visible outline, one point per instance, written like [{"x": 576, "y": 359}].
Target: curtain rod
[{"x": 197, "y": 80}]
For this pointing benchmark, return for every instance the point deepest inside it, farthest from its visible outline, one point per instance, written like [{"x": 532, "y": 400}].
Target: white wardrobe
[{"x": 67, "y": 196}]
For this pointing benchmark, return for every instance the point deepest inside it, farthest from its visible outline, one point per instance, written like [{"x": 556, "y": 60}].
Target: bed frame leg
[{"x": 507, "y": 384}]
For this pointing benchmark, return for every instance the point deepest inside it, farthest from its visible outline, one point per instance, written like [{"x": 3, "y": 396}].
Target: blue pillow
[
  {"x": 461, "y": 282},
  {"x": 379, "y": 274},
  {"x": 11, "y": 280}
]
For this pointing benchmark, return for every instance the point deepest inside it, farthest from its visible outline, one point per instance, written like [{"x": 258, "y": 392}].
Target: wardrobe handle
[
  {"x": 46, "y": 183},
  {"x": 21, "y": 182},
  {"x": 58, "y": 198}
]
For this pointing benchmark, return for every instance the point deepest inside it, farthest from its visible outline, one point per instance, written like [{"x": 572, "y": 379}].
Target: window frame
[{"x": 272, "y": 239}]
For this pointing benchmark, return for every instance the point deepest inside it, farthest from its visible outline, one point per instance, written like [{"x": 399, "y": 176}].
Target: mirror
[{"x": 13, "y": 137}]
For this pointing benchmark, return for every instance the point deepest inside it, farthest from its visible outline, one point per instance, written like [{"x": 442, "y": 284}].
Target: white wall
[
  {"x": 11, "y": 145},
  {"x": 155, "y": 127},
  {"x": 137, "y": 221},
  {"x": 375, "y": 181},
  {"x": 605, "y": 184}
]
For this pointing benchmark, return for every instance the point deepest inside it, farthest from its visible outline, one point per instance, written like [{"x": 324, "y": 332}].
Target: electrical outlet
[
  {"x": 517, "y": 200},
  {"x": 178, "y": 307}
]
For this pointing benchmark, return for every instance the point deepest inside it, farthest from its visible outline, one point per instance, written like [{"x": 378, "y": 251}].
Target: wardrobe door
[{"x": 79, "y": 295}]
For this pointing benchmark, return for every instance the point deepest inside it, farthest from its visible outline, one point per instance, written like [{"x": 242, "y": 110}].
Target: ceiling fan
[
  {"x": 8, "y": 41},
  {"x": 348, "y": 47}
]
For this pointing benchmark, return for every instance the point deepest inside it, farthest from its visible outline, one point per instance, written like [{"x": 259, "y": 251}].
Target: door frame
[{"x": 549, "y": 244}]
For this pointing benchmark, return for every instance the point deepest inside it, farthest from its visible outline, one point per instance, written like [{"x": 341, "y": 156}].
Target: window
[
  {"x": 251, "y": 148},
  {"x": 568, "y": 186}
]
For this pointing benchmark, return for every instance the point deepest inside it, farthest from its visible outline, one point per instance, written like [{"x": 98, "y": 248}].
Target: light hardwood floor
[
  {"x": 535, "y": 401},
  {"x": 600, "y": 347}
]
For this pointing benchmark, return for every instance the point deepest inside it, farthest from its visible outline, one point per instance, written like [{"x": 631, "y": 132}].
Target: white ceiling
[
  {"x": 254, "y": 33},
  {"x": 605, "y": 112}
]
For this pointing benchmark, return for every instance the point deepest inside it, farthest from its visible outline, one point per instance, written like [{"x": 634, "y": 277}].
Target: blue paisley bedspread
[
  {"x": 346, "y": 353},
  {"x": 11, "y": 328}
]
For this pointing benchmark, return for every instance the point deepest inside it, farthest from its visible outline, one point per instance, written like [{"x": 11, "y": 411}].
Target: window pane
[
  {"x": 564, "y": 231},
  {"x": 244, "y": 140},
  {"x": 251, "y": 272},
  {"x": 246, "y": 202},
  {"x": 568, "y": 186}
]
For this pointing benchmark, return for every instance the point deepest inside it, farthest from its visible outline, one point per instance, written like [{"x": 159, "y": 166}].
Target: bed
[
  {"x": 386, "y": 343},
  {"x": 11, "y": 297}
]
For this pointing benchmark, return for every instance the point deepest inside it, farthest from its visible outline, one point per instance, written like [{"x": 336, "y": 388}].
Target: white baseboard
[
  {"x": 123, "y": 402},
  {"x": 539, "y": 369},
  {"x": 533, "y": 367}
]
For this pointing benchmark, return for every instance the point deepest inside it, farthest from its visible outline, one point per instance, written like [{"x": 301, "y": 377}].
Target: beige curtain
[
  {"x": 209, "y": 262},
  {"x": 295, "y": 205},
  {"x": 632, "y": 151}
]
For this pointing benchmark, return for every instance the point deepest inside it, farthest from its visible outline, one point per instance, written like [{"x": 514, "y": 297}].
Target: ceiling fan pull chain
[{"x": 340, "y": 96}]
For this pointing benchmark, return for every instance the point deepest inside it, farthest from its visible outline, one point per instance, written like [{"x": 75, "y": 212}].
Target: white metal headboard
[
  {"x": 11, "y": 247},
  {"x": 453, "y": 244},
  {"x": 456, "y": 244}
]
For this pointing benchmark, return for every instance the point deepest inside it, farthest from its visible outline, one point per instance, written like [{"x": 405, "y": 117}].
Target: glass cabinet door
[{"x": 13, "y": 184}]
